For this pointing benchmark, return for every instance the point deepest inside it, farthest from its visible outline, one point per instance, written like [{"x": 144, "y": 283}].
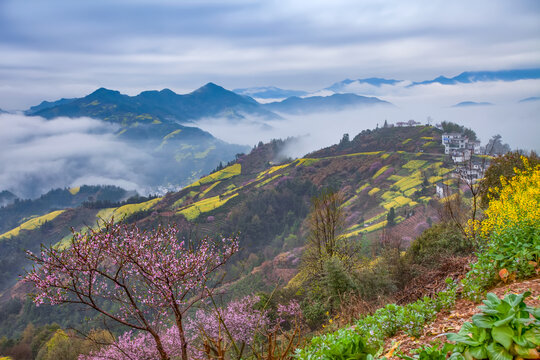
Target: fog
[
  {"x": 517, "y": 122},
  {"x": 37, "y": 155}
]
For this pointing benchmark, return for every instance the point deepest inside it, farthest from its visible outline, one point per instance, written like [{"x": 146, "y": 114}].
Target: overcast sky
[{"x": 65, "y": 48}]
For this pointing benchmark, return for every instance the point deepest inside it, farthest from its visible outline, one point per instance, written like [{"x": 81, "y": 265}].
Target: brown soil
[{"x": 463, "y": 311}]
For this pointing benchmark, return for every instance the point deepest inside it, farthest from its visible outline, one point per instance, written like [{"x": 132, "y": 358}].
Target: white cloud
[
  {"x": 518, "y": 123},
  {"x": 37, "y": 155},
  {"x": 134, "y": 46}
]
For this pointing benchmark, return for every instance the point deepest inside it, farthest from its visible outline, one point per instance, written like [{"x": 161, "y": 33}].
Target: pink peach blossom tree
[{"x": 149, "y": 276}]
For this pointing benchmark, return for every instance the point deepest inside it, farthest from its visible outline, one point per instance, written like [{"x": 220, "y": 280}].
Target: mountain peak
[
  {"x": 210, "y": 87},
  {"x": 103, "y": 92}
]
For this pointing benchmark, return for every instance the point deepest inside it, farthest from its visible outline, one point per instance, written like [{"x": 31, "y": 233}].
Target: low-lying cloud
[
  {"x": 37, "y": 155},
  {"x": 518, "y": 123}
]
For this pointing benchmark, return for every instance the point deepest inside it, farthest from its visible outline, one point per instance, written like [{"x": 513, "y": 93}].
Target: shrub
[
  {"x": 511, "y": 233},
  {"x": 441, "y": 240}
]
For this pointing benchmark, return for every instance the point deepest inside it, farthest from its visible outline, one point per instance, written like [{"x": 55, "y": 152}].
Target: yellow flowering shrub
[
  {"x": 511, "y": 230},
  {"x": 518, "y": 203}
]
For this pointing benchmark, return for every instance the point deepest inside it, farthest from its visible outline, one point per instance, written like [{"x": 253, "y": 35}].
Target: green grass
[
  {"x": 126, "y": 210},
  {"x": 375, "y": 218},
  {"x": 227, "y": 173},
  {"x": 266, "y": 181},
  {"x": 367, "y": 229},
  {"x": 409, "y": 182},
  {"x": 362, "y": 188},
  {"x": 172, "y": 134},
  {"x": 31, "y": 224},
  {"x": 74, "y": 190},
  {"x": 414, "y": 164},
  {"x": 381, "y": 170},
  {"x": 362, "y": 154},
  {"x": 306, "y": 161},
  {"x": 388, "y": 195},
  {"x": 194, "y": 210},
  {"x": 410, "y": 192},
  {"x": 203, "y": 194},
  {"x": 396, "y": 202},
  {"x": 350, "y": 201},
  {"x": 203, "y": 154}
]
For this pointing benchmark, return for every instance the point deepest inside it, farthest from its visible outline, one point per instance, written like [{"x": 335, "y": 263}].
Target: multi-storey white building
[{"x": 459, "y": 146}]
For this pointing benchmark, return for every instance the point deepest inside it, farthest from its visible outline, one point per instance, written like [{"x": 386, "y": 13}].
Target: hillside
[
  {"x": 12, "y": 214},
  {"x": 266, "y": 203}
]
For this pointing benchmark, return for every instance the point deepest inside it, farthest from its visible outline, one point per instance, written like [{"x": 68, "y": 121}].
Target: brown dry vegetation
[{"x": 463, "y": 311}]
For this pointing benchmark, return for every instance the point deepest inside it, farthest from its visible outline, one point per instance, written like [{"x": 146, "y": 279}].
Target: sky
[{"x": 53, "y": 49}]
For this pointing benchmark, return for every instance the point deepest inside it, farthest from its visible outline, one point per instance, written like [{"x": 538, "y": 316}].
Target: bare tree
[{"x": 326, "y": 222}]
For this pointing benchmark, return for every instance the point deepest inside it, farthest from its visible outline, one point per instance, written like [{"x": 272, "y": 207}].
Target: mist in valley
[{"x": 517, "y": 122}]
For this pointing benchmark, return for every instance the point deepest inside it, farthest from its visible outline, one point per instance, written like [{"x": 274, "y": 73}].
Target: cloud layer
[
  {"x": 518, "y": 123},
  {"x": 139, "y": 45},
  {"x": 37, "y": 155}
]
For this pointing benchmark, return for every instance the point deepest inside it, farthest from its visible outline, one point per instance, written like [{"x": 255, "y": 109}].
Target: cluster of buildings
[{"x": 460, "y": 147}]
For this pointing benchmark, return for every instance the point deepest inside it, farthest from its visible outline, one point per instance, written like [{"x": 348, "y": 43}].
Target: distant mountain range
[
  {"x": 336, "y": 102},
  {"x": 134, "y": 113},
  {"x": 210, "y": 100},
  {"x": 530, "y": 99},
  {"x": 476, "y": 76},
  {"x": 355, "y": 86},
  {"x": 341, "y": 86},
  {"x": 471, "y": 103},
  {"x": 269, "y": 92}
]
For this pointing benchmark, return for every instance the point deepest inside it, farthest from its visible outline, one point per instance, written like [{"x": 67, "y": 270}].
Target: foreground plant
[
  {"x": 148, "y": 277},
  {"x": 511, "y": 233},
  {"x": 503, "y": 330}
]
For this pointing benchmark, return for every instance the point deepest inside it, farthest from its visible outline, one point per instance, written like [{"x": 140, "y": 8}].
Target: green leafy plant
[
  {"x": 428, "y": 352},
  {"x": 447, "y": 299},
  {"x": 504, "y": 329},
  {"x": 344, "y": 344},
  {"x": 479, "y": 278}
]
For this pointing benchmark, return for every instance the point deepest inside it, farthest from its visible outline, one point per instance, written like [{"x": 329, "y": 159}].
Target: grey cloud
[
  {"x": 518, "y": 123},
  {"x": 137, "y": 45},
  {"x": 37, "y": 155}
]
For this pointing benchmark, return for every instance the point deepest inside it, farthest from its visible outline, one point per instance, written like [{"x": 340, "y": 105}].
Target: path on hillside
[{"x": 463, "y": 311}]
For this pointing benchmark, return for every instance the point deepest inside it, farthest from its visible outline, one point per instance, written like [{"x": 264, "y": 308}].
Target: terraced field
[{"x": 31, "y": 224}]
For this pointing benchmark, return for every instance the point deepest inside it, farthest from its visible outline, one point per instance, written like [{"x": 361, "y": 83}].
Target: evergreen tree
[{"x": 391, "y": 217}]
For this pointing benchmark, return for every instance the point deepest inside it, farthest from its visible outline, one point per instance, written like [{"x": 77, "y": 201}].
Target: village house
[{"x": 459, "y": 146}]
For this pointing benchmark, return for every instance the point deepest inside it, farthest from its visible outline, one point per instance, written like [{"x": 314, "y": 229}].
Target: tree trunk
[
  {"x": 159, "y": 345},
  {"x": 182, "y": 336}
]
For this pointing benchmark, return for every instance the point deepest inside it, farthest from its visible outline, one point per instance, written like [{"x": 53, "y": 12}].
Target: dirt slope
[{"x": 463, "y": 311}]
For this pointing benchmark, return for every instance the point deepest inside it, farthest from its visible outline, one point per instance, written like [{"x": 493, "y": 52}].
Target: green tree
[{"x": 391, "y": 217}]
